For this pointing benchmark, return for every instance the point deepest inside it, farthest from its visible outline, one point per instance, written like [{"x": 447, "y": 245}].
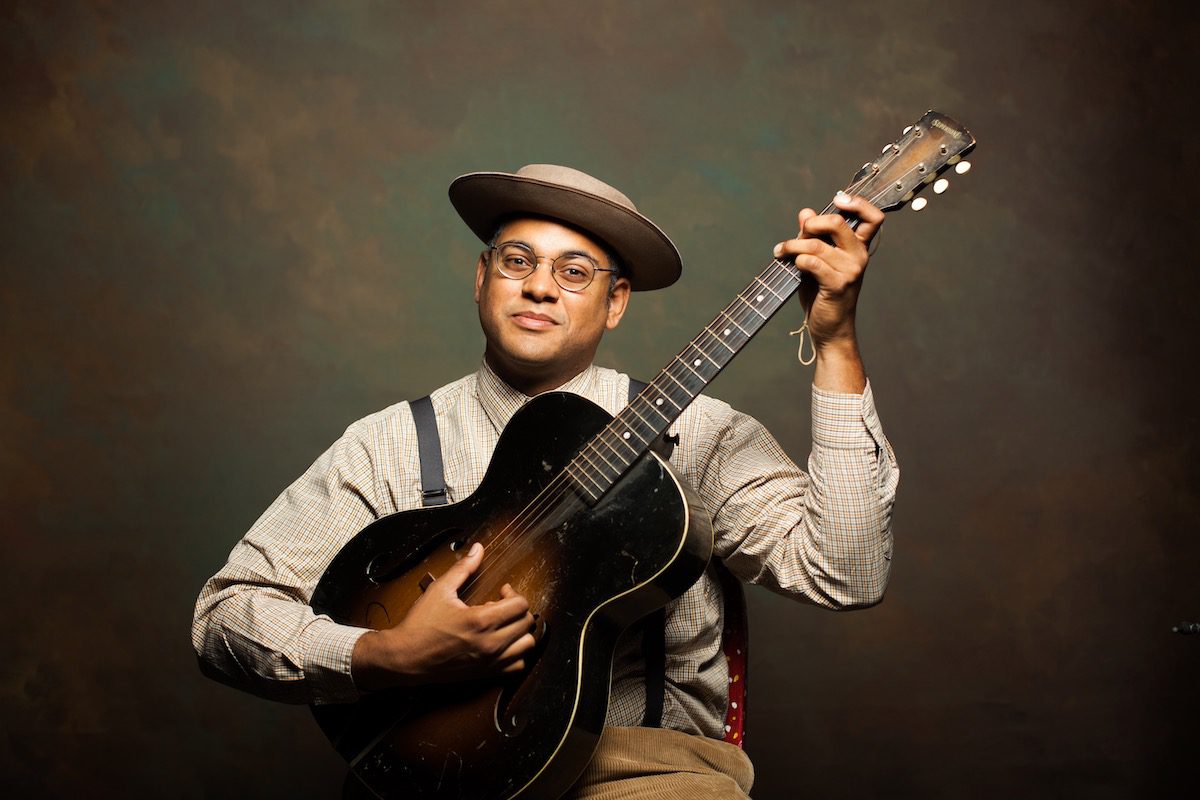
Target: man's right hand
[{"x": 442, "y": 639}]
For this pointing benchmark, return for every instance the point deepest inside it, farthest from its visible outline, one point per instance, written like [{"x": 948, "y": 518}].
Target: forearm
[
  {"x": 266, "y": 641},
  {"x": 253, "y": 627},
  {"x": 839, "y": 366},
  {"x": 846, "y": 527},
  {"x": 823, "y": 536}
]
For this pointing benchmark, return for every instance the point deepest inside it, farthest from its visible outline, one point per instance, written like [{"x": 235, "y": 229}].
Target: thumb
[{"x": 458, "y": 574}]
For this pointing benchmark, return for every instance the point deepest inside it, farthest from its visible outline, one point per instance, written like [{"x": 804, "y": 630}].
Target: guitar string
[
  {"x": 539, "y": 513},
  {"x": 534, "y": 512}
]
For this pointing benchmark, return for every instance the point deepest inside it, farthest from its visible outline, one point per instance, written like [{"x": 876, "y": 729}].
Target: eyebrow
[{"x": 531, "y": 249}]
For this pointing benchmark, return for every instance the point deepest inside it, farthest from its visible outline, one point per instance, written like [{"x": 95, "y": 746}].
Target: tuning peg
[
  {"x": 919, "y": 203},
  {"x": 941, "y": 185},
  {"x": 906, "y": 130},
  {"x": 962, "y": 167},
  {"x": 886, "y": 147}
]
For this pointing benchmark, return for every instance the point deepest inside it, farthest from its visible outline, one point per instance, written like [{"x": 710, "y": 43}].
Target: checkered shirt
[{"x": 823, "y": 537}]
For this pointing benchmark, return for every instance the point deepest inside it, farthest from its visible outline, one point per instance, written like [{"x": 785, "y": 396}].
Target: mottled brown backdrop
[{"x": 224, "y": 236}]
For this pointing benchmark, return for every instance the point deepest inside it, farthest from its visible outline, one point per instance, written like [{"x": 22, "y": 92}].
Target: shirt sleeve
[
  {"x": 253, "y": 628},
  {"x": 824, "y": 536}
]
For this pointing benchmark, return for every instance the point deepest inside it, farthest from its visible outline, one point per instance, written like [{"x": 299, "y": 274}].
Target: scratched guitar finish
[{"x": 588, "y": 523}]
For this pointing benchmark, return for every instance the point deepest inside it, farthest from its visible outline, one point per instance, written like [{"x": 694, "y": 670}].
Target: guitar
[{"x": 592, "y": 526}]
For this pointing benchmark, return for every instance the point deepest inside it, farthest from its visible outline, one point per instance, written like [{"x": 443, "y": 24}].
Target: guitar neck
[
  {"x": 924, "y": 151},
  {"x": 635, "y": 429}
]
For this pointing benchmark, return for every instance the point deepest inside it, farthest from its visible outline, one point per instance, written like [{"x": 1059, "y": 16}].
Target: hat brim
[{"x": 649, "y": 258}]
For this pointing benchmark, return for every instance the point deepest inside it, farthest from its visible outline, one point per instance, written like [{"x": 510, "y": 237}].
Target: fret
[
  {"x": 624, "y": 436},
  {"x": 666, "y": 371},
  {"x": 630, "y": 408},
  {"x": 691, "y": 370},
  {"x": 629, "y": 435},
  {"x": 582, "y": 486},
  {"x": 617, "y": 455},
  {"x": 696, "y": 346},
  {"x": 746, "y": 333},
  {"x": 789, "y": 279},
  {"x": 583, "y": 454},
  {"x": 769, "y": 289},
  {"x": 592, "y": 465},
  {"x": 719, "y": 339},
  {"x": 619, "y": 467},
  {"x": 664, "y": 397},
  {"x": 748, "y": 305},
  {"x": 656, "y": 408}
]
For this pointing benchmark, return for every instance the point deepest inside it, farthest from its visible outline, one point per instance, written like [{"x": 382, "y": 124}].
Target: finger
[
  {"x": 826, "y": 276},
  {"x": 836, "y": 230},
  {"x": 518, "y": 649},
  {"x": 504, "y": 612},
  {"x": 514, "y": 667},
  {"x": 500, "y": 641},
  {"x": 795, "y": 249},
  {"x": 453, "y": 578},
  {"x": 804, "y": 216},
  {"x": 870, "y": 215}
]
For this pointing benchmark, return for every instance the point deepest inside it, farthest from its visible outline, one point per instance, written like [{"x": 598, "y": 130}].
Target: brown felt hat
[{"x": 483, "y": 199}]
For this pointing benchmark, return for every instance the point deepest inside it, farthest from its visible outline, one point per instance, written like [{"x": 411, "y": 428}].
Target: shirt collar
[{"x": 500, "y": 401}]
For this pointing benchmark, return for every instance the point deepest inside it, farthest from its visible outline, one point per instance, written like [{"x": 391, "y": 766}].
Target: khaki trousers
[
  {"x": 635, "y": 763},
  {"x": 651, "y": 763}
]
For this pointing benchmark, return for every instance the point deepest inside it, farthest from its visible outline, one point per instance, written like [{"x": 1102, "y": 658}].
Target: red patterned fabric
[{"x": 735, "y": 641}]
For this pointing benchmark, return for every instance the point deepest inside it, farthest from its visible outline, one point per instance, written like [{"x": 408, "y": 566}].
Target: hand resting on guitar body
[{"x": 442, "y": 639}]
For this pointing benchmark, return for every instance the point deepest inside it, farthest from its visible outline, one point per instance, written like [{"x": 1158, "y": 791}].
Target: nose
[{"x": 540, "y": 285}]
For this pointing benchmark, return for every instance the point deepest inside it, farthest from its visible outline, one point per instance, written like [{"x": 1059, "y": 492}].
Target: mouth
[{"x": 533, "y": 321}]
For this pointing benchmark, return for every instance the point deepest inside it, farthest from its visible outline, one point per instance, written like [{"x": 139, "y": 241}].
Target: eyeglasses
[{"x": 573, "y": 272}]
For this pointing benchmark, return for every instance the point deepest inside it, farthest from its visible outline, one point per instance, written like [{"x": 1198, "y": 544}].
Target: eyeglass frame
[{"x": 537, "y": 260}]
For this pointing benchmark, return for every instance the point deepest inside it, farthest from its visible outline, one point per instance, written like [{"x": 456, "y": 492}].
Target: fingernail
[
  {"x": 841, "y": 197},
  {"x": 778, "y": 250},
  {"x": 475, "y": 548}
]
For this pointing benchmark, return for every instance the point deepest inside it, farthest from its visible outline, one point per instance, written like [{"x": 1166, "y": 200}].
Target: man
[{"x": 564, "y": 252}]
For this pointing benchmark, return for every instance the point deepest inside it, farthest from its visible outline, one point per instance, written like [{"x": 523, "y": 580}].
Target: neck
[{"x": 532, "y": 381}]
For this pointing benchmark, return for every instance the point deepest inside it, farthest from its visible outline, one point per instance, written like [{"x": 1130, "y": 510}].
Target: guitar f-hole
[{"x": 509, "y": 717}]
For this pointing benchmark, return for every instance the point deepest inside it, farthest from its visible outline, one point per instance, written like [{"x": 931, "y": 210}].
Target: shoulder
[
  {"x": 710, "y": 414},
  {"x": 396, "y": 420}
]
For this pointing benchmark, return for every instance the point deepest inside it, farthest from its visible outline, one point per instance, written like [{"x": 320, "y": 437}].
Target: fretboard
[{"x": 632, "y": 432}]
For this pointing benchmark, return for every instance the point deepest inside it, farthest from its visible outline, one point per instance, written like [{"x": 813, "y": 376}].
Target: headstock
[{"x": 925, "y": 150}]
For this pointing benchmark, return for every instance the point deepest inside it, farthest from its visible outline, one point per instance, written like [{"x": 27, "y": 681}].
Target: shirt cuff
[
  {"x": 327, "y": 655},
  {"x": 845, "y": 421}
]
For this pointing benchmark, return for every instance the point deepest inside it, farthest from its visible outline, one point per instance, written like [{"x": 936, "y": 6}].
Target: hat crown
[
  {"x": 485, "y": 199},
  {"x": 569, "y": 178}
]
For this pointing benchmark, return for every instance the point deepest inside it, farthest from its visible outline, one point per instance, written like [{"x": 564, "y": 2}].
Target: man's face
[{"x": 540, "y": 335}]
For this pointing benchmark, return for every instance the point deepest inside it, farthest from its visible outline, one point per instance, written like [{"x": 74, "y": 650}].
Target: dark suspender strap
[
  {"x": 654, "y": 637},
  {"x": 429, "y": 449}
]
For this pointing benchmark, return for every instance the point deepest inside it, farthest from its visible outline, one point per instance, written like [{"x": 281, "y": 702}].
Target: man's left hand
[{"x": 835, "y": 255}]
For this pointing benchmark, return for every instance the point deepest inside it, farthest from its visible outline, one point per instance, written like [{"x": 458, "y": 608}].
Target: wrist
[
  {"x": 839, "y": 366},
  {"x": 373, "y": 664}
]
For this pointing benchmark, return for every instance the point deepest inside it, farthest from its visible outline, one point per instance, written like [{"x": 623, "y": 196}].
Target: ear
[
  {"x": 617, "y": 303},
  {"x": 480, "y": 273}
]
